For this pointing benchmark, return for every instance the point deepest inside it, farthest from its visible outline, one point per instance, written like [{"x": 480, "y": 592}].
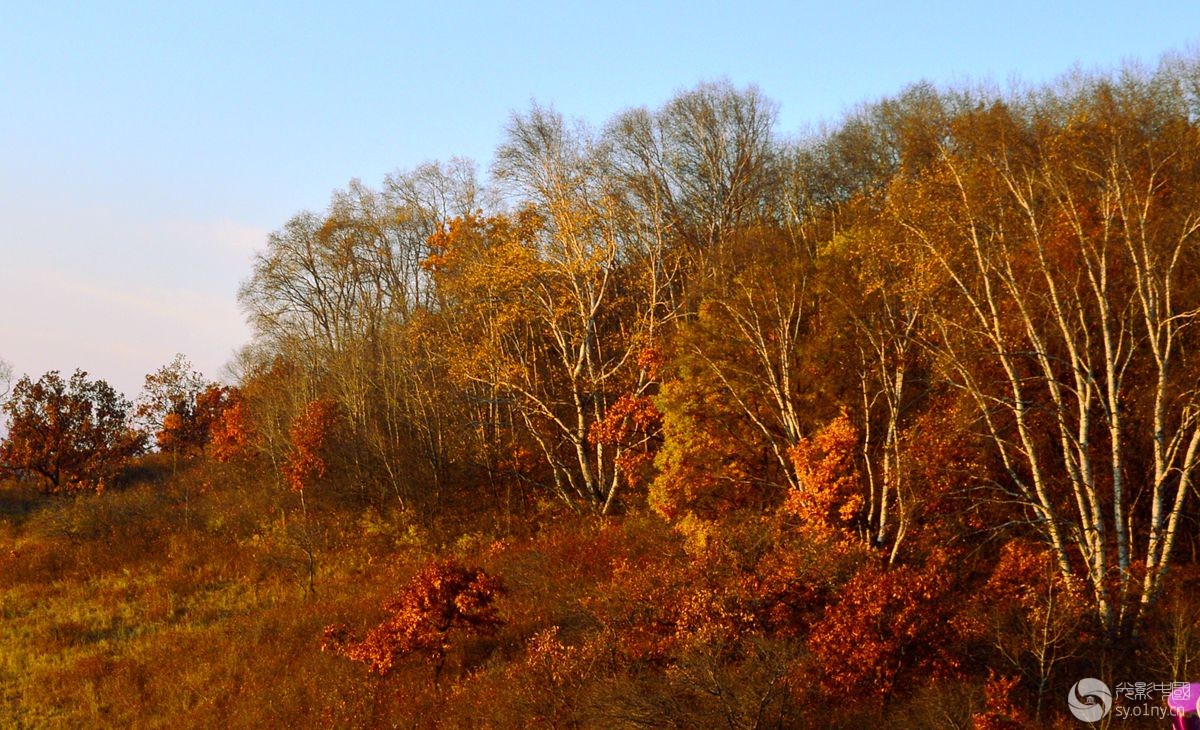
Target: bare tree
[
  {"x": 5, "y": 380},
  {"x": 702, "y": 166}
]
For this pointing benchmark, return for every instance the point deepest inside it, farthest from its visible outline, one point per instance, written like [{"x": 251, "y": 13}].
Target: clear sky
[{"x": 146, "y": 149}]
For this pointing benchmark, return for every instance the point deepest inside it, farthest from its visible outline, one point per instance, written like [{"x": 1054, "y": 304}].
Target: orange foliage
[
  {"x": 651, "y": 360},
  {"x": 1002, "y": 712},
  {"x": 634, "y": 422},
  {"x": 310, "y": 436},
  {"x": 1019, "y": 576},
  {"x": 656, "y": 610},
  {"x": 231, "y": 436},
  {"x": 441, "y": 597},
  {"x": 887, "y": 624},
  {"x": 829, "y": 500},
  {"x": 189, "y": 426},
  {"x": 173, "y": 435},
  {"x": 1036, "y": 617}
]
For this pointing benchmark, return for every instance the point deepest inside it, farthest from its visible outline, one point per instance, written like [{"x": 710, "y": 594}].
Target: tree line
[{"x": 993, "y": 295}]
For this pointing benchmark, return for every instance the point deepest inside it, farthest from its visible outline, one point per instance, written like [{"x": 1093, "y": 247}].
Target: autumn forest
[{"x": 681, "y": 421}]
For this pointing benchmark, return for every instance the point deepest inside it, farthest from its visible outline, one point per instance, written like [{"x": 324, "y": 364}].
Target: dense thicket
[{"x": 906, "y": 410}]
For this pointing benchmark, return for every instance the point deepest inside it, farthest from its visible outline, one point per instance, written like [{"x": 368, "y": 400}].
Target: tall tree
[
  {"x": 705, "y": 161},
  {"x": 1064, "y": 240},
  {"x": 596, "y": 309}
]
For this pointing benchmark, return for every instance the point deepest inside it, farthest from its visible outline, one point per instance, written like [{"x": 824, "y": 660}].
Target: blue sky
[{"x": 147, "y": 149}]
